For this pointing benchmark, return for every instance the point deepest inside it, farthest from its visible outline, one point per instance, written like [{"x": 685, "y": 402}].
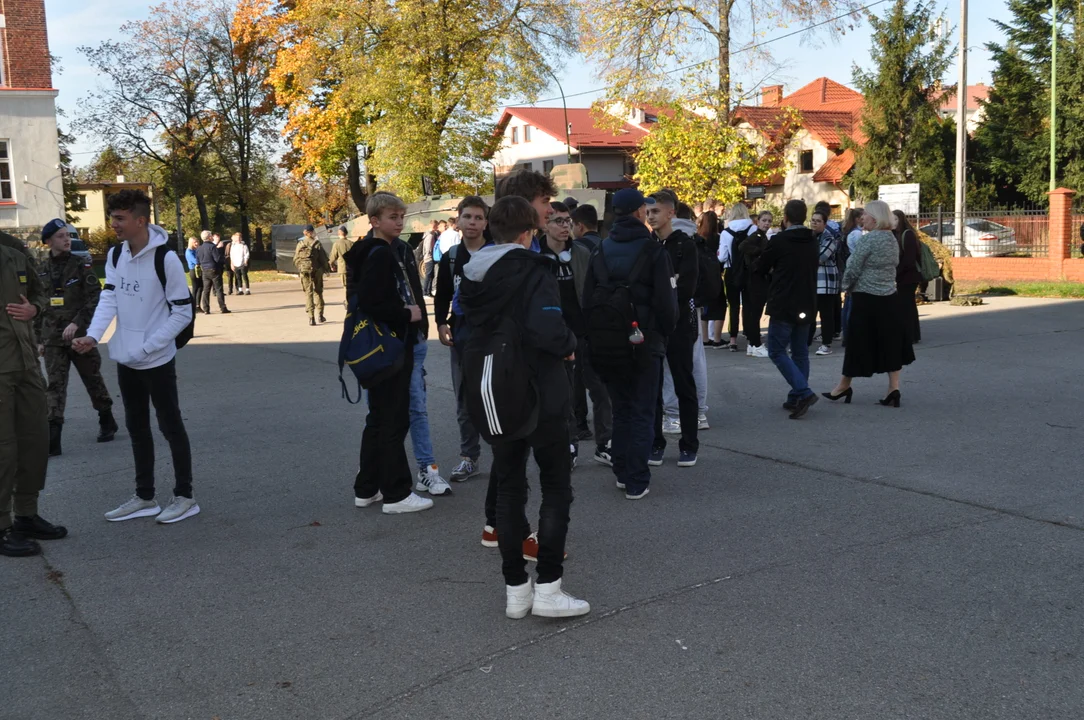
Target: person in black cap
[{"x": 631, "y": 309}]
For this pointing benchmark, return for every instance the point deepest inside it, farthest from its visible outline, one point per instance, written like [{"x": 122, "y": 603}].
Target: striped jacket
[{"x": 827, "y": 270}]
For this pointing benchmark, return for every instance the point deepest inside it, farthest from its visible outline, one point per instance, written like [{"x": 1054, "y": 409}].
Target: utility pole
[
  {"x": 1053, "y": 90},
  {"x": 961, "y": 131},
  {"x": 568, "y": 144}
]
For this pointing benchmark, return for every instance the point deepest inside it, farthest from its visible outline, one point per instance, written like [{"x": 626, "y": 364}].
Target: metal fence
[{"x": 1019, "y": 232}]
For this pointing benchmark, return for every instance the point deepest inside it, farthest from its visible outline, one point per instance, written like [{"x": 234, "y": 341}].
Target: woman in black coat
[
  {"x": 707, "y": 227},
  {"x": 908, "y": 278}
]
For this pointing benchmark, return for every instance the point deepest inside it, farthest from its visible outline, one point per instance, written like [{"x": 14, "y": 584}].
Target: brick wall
[
  {"x": 1013, "y": 269},
  {"x": 26, "y": 45}
]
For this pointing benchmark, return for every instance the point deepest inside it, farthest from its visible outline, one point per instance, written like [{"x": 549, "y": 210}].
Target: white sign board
[{"x": 900, "y": 197}]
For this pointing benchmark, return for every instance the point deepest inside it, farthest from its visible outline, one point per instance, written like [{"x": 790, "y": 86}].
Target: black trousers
[
  {"x": 733, "y": 302},
  {"x": 910, "y": 312},
  {"x": 427, "y": 289},
  {"x": 138, "y": 389},
  {"x": 197, "y": 288},
  {"x": 550, "y": 444},
  {"x": 826, "y": 308},
  {"x": 679, "y": 356},
  {"x": 212, "y": 282},
  {"x": 382, "y": 465},
  {"x": 241, "y": 274},
  {"x": 753, "y": 301},
  {"x": 229, "y": 276},
  {"x": 579, "y": 395}
]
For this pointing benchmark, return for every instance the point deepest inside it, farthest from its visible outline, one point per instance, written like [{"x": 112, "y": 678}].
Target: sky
[{"x": 74, "y": 23}]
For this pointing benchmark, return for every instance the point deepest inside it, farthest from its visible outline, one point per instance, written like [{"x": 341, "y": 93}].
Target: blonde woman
[
  {"x": 738, "y": 226},
  {"x": 877, "y": 341}
]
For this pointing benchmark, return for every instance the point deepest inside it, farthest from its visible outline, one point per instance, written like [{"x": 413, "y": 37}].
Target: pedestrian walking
[
  {"x": 790, "y": 260},
  {"x": 877, "y": 339},
  {"x": 707, "y": 227},
  {"x": 146, "y": 293},
  {"x": 506, "y": 282},
  {"x": 211, "y": 262},
  {"x": 737, "y": 229},
  {"x": 75, "y": 291},
  {"x": 239, "y": 257},
  {"x": 380, "y": 282},
  {"x": 191, "y": 259},
  {"x": 24, "y": 412},
  {"x": 827, "y": 281},
  {"x": 428, "y": 243},
  {"x": 312, "y": 262},
  {"x": 342, "y": 245},
  {"x": 754, "y": 289},
  {"x": 908, "y": 277}
]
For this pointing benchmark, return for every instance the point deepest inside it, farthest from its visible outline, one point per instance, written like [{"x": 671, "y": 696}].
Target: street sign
[
  {"x": 754, "y": 192},
  {"x": 900, "y": 197}
]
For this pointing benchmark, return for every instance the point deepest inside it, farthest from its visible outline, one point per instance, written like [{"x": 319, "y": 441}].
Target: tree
[
  {"x": 67, "y": 173},
  {"x": 638, "y": 42},
  {"x": 413, "y": 84},
  {"x": 903, "y": 131}
]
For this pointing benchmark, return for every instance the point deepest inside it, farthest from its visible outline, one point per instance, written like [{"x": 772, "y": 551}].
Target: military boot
[
  {"x": 55, "y": 426},
  {"x": 107, "y": 426}
]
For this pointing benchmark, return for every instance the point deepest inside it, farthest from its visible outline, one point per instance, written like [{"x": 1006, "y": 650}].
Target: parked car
[
  {"x": 79, "y": 248},
  {"x": 982, "y": 238}
]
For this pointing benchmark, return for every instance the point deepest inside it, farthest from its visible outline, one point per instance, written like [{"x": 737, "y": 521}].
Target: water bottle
[{"x": 636, "y": 337}]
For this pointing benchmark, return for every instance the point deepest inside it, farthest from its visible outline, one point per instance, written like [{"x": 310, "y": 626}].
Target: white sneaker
[
  {"x": 179, "y": 509},
  {"x": 430, "y": 481},
  {"x": 136, "y": 507},
  {"x": 551, "y": 601},
  {"x": 824, "y": 350},
  {"x": 366, "y": 502},
  {"x": 411, "y": 503},
  {"x": 702, "y": 422},
  {"x": 519, "y": 599},
  {"x": 760, "y": 352},
  {"x": 749, "y": 351},
  {"x": 671, "y": 426}
]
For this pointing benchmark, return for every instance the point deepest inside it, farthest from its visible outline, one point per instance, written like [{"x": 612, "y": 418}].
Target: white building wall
[
  {"x": 799, "y": 185},
  {"x": 28, "y": 123},
  {"x": 542, "y": 147}
]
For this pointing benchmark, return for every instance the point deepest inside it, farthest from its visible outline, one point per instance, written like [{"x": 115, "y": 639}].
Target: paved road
[{"x": 865, "y": 562}]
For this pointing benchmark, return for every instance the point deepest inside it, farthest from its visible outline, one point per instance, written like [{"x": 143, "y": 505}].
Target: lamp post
[
  {"x": 568, "y": 144},
  {"x": 961, "y": 132},
  {"x": 1053, "y": 90}
]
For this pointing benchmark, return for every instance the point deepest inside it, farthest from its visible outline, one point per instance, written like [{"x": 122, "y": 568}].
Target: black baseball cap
[{"x": 628, "y": 200}]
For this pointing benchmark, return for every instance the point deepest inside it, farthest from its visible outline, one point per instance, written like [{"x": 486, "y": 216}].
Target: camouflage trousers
[
  {"x": 312, "y": 283},
  {"x": 58, "y": 360},
  {"x": 24, "y": 443}
]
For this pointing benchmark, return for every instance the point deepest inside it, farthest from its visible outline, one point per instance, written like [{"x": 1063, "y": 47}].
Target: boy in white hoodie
[{"x": 150, "y": 315}]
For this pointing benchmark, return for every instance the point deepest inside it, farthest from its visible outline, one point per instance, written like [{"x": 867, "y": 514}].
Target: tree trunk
[
  {"x": 358, "y": 193},
  {"x": 204, "y": 217},
  {"x": 723, "y": 40}
]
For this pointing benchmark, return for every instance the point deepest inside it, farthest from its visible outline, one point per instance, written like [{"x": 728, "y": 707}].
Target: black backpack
[
  {"x": 843, "y": 254},
  {"x": 709, "y": 281},
  {"x": 160, "y": 268},
  {"x": 739, "y": 271},
  {"x": 610, "y": 312},
  {"x": 501, "y": 389}
]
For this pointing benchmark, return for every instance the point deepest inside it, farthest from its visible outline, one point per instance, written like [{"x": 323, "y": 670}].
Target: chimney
[
  {"x": 771, "y": 95},
  {"x": 121, "y": 179}
]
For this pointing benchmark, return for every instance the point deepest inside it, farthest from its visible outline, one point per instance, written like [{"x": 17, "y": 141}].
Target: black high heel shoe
[
  {"x": 846, "y": 395},
  {"x": 893, "y": 399}
]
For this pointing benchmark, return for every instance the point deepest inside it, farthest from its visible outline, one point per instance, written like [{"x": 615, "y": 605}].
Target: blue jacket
[
  {"x": 654, "y": 291},
  {"x": 190, "y": 258}
]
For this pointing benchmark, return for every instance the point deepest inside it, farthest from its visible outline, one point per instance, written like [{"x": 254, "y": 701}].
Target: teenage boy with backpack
[
  {"x": 679, "y": 350},
  {"x": 517, "y": 386},
  {"x": 451, "y": 327},
  {"x": 146, "y": 291},
  {"x": 631, "y": 309},
  {"x": 387, "y": 292}
]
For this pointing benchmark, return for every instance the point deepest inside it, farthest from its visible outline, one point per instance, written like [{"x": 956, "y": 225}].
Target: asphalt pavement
[{"x": 863, "y": 562}]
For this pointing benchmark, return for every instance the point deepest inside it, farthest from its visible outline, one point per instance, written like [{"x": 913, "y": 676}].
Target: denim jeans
[
  {"x": 634, "y": 425},
  {"x": 419, "y": 412},
  {"x": 700, "y": 376},
  {"x": 795, "y": 367}
]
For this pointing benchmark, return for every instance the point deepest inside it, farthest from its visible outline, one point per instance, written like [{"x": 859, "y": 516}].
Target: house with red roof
[{"x": 536, "y": 138}]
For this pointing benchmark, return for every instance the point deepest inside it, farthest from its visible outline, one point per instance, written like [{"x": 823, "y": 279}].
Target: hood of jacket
[
  {"x": 736, "y": 226},
  {"x": 686, "y": 226},
  {"x": 628, "y": 229},
  {"x": 493, "y": 276}
]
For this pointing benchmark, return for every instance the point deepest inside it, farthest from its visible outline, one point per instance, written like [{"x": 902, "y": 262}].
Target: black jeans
[
  {"x": 634, "y": 404},
  {"x": 138, "y": 389},
  {"x": 550, "y": 444},
  {"x": 229, "y": 277},
  {"x": 733, "y": 301},
  {"x": 212, "y": 282},
  {"x": 601, "y": 407},
  {"x": 910, "y": 312},
  {"x": 826, "y": 308},
  {"x": 382, "y": 464},
  {"x": 197, "y": 288},
  {"x": 679, "y": 355},
  {"x": 241, "y": 274},
  {"x": 753, "y": 300},
  {"x": 579, "y": 394}
]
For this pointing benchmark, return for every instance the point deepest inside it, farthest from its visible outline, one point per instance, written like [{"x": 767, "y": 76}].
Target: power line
[{"x": 747, "y": 48}]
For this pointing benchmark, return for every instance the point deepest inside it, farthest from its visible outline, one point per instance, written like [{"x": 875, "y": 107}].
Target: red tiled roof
[
  {"x": 975, "y": 94},
  {"x": 836, "y": 167},
  {"x": 584, "y": 133},
  {"x": 825, "y": 94},
  {"x": 828, "y": 126}
]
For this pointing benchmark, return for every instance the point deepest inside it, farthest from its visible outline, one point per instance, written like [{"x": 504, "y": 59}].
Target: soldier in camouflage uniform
[
  {"x": 311, "y": 262},
  {"x": 338, "y": 258},
  {"x": 74, "y": 291},
  {"x": 24, "y": 434}
]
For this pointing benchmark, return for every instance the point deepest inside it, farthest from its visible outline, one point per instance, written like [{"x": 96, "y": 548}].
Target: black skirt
[
  {"x": 877, "y": 340},
  {"x": 716, "y": 307}
]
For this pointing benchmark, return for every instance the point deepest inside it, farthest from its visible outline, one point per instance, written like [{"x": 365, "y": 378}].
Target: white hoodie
[
  {"x": 238, "y": 254},
  {"x": 726, "y": 239},
  {"x": 147, "y": 324}
]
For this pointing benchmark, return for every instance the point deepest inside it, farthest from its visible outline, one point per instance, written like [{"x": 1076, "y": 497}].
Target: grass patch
[{"x": 1023, "y": 289}]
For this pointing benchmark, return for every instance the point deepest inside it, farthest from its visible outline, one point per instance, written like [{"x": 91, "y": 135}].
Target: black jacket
[
  {"x": 751, "y": 248},
  {"x": 210, "y": 257},
  {"x": 447, "y": 282},
  {"x": 791, "y": 259},
  {"x": 654, "y": 293},
  {"x": 374, "y": 274},
  {"x": 589, "y": 239},
  {"x": 907, "y": 270},
  {"x": 498, "y": 275},
  {"x": 682, "y": 251}
]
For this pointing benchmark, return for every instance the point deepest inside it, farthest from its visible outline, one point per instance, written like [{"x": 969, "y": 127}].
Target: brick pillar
[{"x": 1061, "y": 230}]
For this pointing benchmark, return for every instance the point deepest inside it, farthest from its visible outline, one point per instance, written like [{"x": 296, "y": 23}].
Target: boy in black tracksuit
[
  {"x": 496, "y": 276},
  {"x": 388, "y": 290},
  {"x": 679, "y": 350}
]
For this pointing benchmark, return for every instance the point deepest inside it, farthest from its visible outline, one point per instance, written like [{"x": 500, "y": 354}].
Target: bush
[{"x": 99, "y": 241}]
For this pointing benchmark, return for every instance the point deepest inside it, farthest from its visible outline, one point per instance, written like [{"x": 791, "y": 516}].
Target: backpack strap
[
  {"x": 452, "y": 252},
  {"x": 115, "y": 255},
  {"x": 160, "y": 253}
]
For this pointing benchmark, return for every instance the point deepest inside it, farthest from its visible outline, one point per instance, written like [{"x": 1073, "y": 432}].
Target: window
[
  {"x": 528, "y": 166},
  {"x": 547, "y": 165},
  {"x": 79, "y": 202},
  {"x": 7, "y": 188},
  {"x": 515, "y": 136},
  {"x": 526, "y": 133},
  {"x": 806, "y": 161}
]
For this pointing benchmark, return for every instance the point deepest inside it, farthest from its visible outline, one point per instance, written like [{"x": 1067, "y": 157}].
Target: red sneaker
[
  {"x": 489, "y": 537},
  {"x": 530, "y": 548}
]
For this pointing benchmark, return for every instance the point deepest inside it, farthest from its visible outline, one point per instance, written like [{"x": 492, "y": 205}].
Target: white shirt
[
  {"x": 238, "y": 254},
  {"x": 448, "y": 238}
]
